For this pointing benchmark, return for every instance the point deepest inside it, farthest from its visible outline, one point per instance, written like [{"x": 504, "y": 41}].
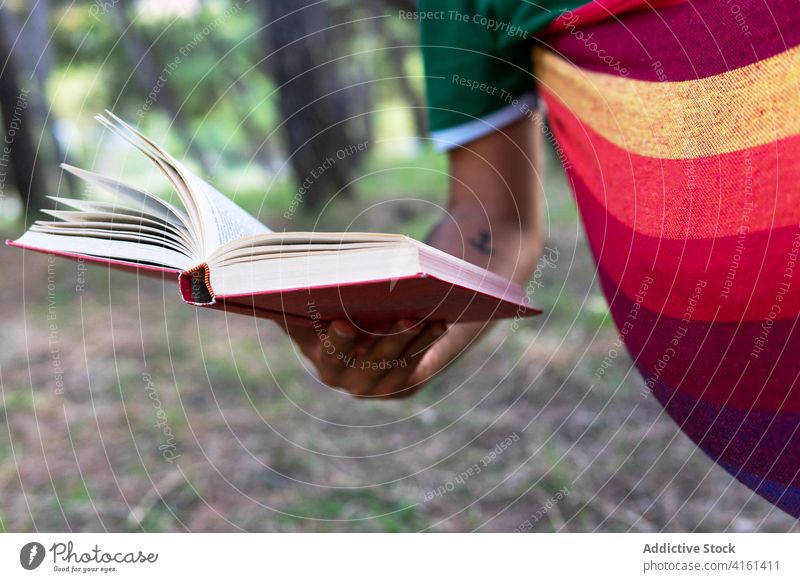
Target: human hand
[
  {"x": 493, "y": 221},
  {"x": 393, "y": 364}
]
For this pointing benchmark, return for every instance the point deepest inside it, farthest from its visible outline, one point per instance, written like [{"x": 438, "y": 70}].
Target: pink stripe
[
  {"x": 752, "y": 278},
  {"x": 680, "y": 42},
  {"x": 745, "y": 366},
  {"x": 599, "y": 10}
]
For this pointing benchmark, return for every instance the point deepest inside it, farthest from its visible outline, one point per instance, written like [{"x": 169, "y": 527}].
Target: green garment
[{"x": 477, "y": 53}]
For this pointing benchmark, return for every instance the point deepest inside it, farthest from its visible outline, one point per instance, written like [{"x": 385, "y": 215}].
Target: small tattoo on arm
[{"x": 482, "y": 243}]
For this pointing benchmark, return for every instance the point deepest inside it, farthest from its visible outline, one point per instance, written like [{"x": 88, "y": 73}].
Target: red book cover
[
  {"x": 367, "y": 303},
  {"x": 288, "y": 277}
]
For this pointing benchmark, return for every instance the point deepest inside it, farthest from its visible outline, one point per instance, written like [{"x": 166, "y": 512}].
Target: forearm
[
  {"x": 493, "y": 221},
  {"x": 495, "y": 243},
  {"x": 494, "y": 217}
]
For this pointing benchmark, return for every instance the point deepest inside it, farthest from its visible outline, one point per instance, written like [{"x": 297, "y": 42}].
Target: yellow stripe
[{"x": 738, "y": 109}]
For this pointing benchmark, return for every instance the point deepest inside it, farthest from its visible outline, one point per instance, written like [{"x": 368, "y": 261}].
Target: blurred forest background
[
  {"x": 255, "y": 94},
  {"x": 123, "y": 410}
]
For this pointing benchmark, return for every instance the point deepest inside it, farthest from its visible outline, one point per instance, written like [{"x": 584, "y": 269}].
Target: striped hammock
[{"x": 679, "y": 124}]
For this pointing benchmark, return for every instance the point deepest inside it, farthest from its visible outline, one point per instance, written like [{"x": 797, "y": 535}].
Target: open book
[{"x": 226, "y": 259}]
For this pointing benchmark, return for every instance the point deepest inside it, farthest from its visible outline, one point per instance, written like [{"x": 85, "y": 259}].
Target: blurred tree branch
[{"x": 145, "y": 63}]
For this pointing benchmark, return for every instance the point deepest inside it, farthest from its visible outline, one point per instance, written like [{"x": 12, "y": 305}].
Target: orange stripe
[
  {"x": 743, "y": 108},
  {"x": 725, "y": 195}
]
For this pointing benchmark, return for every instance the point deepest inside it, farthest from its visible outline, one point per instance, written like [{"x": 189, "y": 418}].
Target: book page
[
  {"x": 109, "y": 227},
  {"x": 222, "y": 220},
  {"x": 128, "y": 249},
  {"x": 147, "y": 203}
]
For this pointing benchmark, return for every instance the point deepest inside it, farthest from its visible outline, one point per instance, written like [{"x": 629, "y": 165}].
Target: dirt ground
[{"x": 125, "y": 410}]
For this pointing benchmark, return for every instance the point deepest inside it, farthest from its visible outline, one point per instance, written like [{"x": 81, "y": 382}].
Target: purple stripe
[
  {"x": 786, "y": 497},
  {"x": 763, "y": 443},
  {"x": 744, "y": 366},
  {"x": 686, "y": 41}
]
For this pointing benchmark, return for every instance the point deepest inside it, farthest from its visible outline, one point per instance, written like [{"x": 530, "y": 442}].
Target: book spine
[{"x": 195, "y": 286}]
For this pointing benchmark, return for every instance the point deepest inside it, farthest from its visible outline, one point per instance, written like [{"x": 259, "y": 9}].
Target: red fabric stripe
[
  {"x": 754, "y": 189},
  {"x": 598, "y": 10},
  {"x": 689, "y": 40},
  {"x": 745, "y": 278},
  {"x": 711, "y": 361}
]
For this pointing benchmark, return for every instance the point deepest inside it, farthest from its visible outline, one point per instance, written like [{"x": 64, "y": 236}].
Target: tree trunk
[
  {"x": 18, "y": 151},
  {"x": 312, "y": 104},
  {"x": 38, "y": 65}
]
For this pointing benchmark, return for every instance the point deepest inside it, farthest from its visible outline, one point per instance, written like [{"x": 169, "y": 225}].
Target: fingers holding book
[
  {"x": 403, "y": 381},
  {"x": 370, "y": 365}
]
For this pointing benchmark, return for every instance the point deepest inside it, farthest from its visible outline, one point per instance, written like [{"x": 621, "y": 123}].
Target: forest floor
[{"x": 125, "y": 410}]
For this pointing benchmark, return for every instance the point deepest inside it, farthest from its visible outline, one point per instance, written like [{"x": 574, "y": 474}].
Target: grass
[{"x": 263, "y": 446}]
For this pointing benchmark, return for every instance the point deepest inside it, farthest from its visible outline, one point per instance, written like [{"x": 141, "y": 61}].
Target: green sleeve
[{"x": 477, "y": 54}]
